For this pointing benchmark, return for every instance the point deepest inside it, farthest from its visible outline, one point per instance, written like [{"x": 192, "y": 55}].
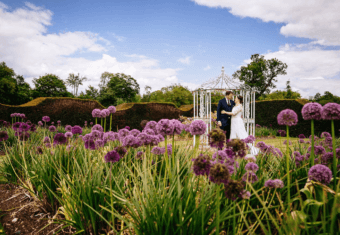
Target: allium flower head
[
  {"x": 249, "y": 139},
  {"x": 134, "y": 132},
  {"x": 302, "y": 136},
  {"x": 60, "y": 138},
  {"x": 234, "y": 189},
  {"x": 331, "y": 111},
  {"x": 282, "y": 133},
  {"x": 198, "y": 127},
  {"x": 178, "y": 126},
  {"x": 96, "y": 113},
  {"x": 250, "y": 158},
  {"x": 154, "y": 140},
  {"x": 238, "y": 146},
  {"x": 33, "y": 128},
  {"x": 77, "y": 130},
  {"x": 46, "y": 139},
  {"x": 152, "y": 125},
  {"x": 127, "y": 127},
  {"x": 123, "y": 133},
  {"x": 68, "y": 128},
  {"x": 129, "y": 140},
  {"x": 158, "y": 150},
  {"x": 148, "y": 131},
  {"x": 301, "y": 141},
  {"x": 68, "y": 134},
  {"x": 99, "y": 143},
  {"x": 277, "y": 183},
  {"x": 139, "y": 155},
  {"x": 16, "y": 126},
  {"x": 24, "y": 127},
  {"x": 287, "y": 117},
  {"x": 103, "y": 113},
  {"x": 96, "y": 134},
  {"x": 311, "y": 111},
  {"x": 23, "y": 136},
  {"x": 318, "y": 150},
  {"x": 3, "y": 136},
  {"x": 165, "y": 127},
  {"x": 219, "y": 173},
  {"x": 112, "y": 109},
  {"x": 40, "y": 123},
  {"x": 97, "y": 127},
  {"x": 89, "y": 144},
  {"x": 46, "y": 119},
  {"x": 216, "y": 138},
  {"x": 121, "y": 151},
  {"x": 222, "y": 155},
  {"x": 169, "y": 148},
  {"x": 112, "y": 156},
  {"x": 39, "y": 150},
  {"x": 328, "y": 140},
  {"x": 251, "y": 166},
  {"x": 201, "y": 165},
  {"x": 257, "y": 125},
  {"x": 285, "y": 142},
  {"x": 325, "y": 134},
  {"x": 320, "y": 173},
  {"x": 52, "y": 129}
]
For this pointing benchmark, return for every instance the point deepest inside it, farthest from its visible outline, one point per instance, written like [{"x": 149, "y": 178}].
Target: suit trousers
[{"x": 227, "y": 129}]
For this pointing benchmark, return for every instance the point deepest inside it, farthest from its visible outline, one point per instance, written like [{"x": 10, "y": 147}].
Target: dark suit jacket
[{"x": 224, "y": 118}]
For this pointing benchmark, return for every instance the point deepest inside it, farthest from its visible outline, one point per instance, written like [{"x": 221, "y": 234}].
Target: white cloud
[
  {"x": 207, "y": 68},
  {"x": 185, "y": 60},
  {"x": 319, "y": 20},
  {"x": 32, "y": 52},
  {"x": 119, "y": 38}
]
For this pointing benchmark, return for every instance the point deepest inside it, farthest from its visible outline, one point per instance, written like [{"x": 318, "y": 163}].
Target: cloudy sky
[{"x": 160, "y": 43}]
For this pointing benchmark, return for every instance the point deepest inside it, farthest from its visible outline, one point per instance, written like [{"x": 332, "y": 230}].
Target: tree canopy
[
  {"x": 50, "y": 85},
  {"x": 260, "y": 74}
]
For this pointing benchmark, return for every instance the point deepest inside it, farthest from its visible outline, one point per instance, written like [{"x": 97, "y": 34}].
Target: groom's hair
[{"x": 228, "y": 92}]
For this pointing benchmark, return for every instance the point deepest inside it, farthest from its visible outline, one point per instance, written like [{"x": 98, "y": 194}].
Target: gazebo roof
[{"x": 222, "y": 82}]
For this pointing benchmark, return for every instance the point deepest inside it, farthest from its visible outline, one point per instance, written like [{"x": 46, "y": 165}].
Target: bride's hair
[{"x": 240, "y": 97}]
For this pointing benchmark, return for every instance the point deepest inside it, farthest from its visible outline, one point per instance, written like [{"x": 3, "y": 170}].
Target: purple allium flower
[
  {"x": 219, "y": 173},
  {"x": 88, "y": 137},
  {"x": 148, "y": 131},
  {"x": 250, "y": 158},
  {"x": 328, "y": 140},
  {"x": 33, "y": 128},
  {"x": 109, "y": 136},
  {"x": 198, "y": 127},
  {"x": 16, "y": 126},
  {"x": 112, "y": 109},
  {"x": 327, "y": 158},
  {"x": 187, "y": 127},
  {"x": 58, "y": 121},
  {"x": 277, "y": 183},
  {"x": 142, "y": 137},
  {"x": 257, "y": 125},
  {"x": 46, "y": 139},
  {"x": 3, "y": 136},
  {"x": 311, "y": 111},
  {"x": 97, "y": 127},
  {"x": 96, "y": 113},
  {"x": 318, "y": 150},
  {"x": 245, "y": 194},
  {"x": 112, "y": 156},
  {"x": 234, "y": 189},
  {"x": 139, "y": 155},
  {"x": 165, "y": 127},
  {"x": 302, "y": 136},
  {"x": 152, "y": 125},
  {"x": 121, "y": 150},
  {"x": 250, "y": 176},
  {"x": 222, "y": 155},
  {"x": 331, "y": 111},
  {"x": 128, "y": 140},
  {"x": 77, "y": 130},
  {"x": 250, "y": 166},
  {"x": 52, "y": 123},
  {"x": 282, "y": 133},
  {"x": 154, "y": 140},
  {"x": 287, "y": 117},
  {"x": 160, "y": 137},
  {"x": 60, "y": 138},
  {"x": 260, "y": 144},
  {"x": 320, "y": 173},
  {"x": 249, "y": 139},
  {"x": 99, "y": 143},
  {"x": 96, "y": 134},
  {"x": 201, "y": 165},
  {"x": 46, "y": 119},
  {"x": 158, "y": 150},
  {"x": 285, "y": 142},
  {"x": 89, "y": 144},
  {"x": 169, "y": 148},
  {"x": 301, "y": 141},
  {"x": 52, "y": 129},
  {"x": 68, "y": 128},
  {"x": 24, "y": 127},
  {"x": 39, "y": 150},
  {"x": 127, "y": 127},
  {"x": 68, "y": 134},
  {"x": 91, "y": 123},
  {"x": 40, "y": 123},
  {"x": 325, "y": 134},
  {"x": 134, "y": 132},
  {"x": 48, "y": 145},
  {"x": 216, "y": 138},
  {"x": 123, "y": 133},
  {"x": 178, "y": 126}
]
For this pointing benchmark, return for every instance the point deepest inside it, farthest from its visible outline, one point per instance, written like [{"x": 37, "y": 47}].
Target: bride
[{"x": 237, "y": 128}]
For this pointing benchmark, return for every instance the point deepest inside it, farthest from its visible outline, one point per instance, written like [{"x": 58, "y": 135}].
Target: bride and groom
[{"x": 229, "y": 119}]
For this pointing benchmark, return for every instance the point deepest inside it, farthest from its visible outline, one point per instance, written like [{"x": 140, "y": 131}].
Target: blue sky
[{"x": 164, "y": 42}]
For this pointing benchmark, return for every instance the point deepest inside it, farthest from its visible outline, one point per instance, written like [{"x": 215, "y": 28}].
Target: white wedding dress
[{"x": 238, "y": 130}]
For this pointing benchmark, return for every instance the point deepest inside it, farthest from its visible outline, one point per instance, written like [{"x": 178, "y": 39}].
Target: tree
[
  {"x": 260, "y": 74},
  {"x": 50, "y": 85},
  {"x": 119, "y": 85},
  {"x": 24, "y": 91},
  {"x": 146, "y": 97},
  {"x": 91, "y": 93},
  {"x": 280, "y": 95},
  {"x": 289, "y": 90},
  {"x": 317, "y": 96},
  {"x": 75, "y": 81}
]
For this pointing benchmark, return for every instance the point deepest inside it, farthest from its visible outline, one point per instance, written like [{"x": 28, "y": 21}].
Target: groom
[{"x": 226, "y": 104}]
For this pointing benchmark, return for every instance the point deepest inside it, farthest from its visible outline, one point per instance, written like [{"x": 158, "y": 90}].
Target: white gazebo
[{"x": 202, "y": 102}]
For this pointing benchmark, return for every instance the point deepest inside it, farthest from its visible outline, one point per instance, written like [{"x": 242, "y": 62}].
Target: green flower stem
[
  {"x": 197, "y": 144},
  {"x": 101, "y": 121},
  {"x": 312, "y": 150},
  {"x": 173, "y": 150},
  {"x": 96, "y": 120},
  {"x": 105, "y": 125},
  {"x": 166, "y": 157},
  {"x": 218, "y": 210},
  {"x": 335, "y": 160},
  {"x": 234, "y": 219},
  {"x": 287, "y": 163},
  {"x": 110, "y": 121}
]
